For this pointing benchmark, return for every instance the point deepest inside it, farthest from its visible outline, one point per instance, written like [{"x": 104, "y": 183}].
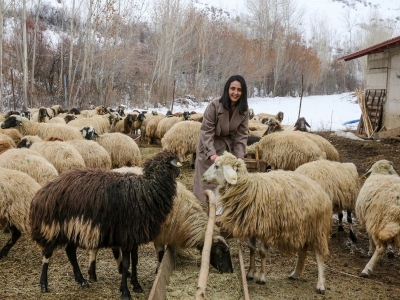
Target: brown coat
[{"x": 218, "y": 134}]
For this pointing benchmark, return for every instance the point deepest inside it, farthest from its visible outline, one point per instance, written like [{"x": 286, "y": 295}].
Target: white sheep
[
  {"x": 14, "y": 134},
  {"x": 17, "y": 191},
  {"x": 340, "y": 181},
  {"x": 165, "y": 124},
  {"x": 29, "y": 162},
  {"x": 182, "y": 139},
  {"x": 101, "y": 123},
  {"x": 378, "y": 209},
  {"x": 280, "y": 208},
  {"x": 122, "y": 149},
  {"x": 62, "y": 155},
  {"x": 151, "y": 129},
  {"x": 93, "y": 154},
  {"x": 43, "y": 130},
  {"x": 281, "y": 151}
]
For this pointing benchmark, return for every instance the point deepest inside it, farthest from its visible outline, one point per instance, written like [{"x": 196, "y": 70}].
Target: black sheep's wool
[{"x": 127, "y": 208}]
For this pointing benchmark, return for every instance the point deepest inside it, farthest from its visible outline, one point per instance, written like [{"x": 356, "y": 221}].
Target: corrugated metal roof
[{"x": 394, "y": 42}]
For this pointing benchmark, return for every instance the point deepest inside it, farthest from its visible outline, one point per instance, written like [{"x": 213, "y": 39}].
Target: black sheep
[{"x": 92, "y": 208}]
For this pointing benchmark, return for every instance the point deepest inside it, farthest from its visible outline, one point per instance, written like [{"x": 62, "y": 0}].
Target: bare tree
[
  {"x": 25, "y": 57},
  {"x": 35, "y": 30}
]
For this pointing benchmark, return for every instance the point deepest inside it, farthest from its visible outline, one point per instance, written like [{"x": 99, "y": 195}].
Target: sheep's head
[
  {"x": 12, "y": 121},
  {"x": 301, "y": 124},
  {"x": 381, "y": 167},
  {"x": 220, "y": 257},
  {"x": 89, "y": 133},
  {"x": 224, "y": 170},
  {"x": 162, "y": 159}
]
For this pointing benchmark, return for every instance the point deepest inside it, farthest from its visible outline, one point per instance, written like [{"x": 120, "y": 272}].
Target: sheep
[
  {"x": 340, "y": 181},
  {"x": 263, "y": 117},
  {"x": 69, "y": 117},
  {"x": 14, "y": 134},
  {"x": 118, "y": 210},
  {"x": 185, "y": 227},
  {"x": 251, "y": 113},
  {"x": 27, "y": 127},
  {"x": 53, "y": 111},
  {"x": 122, "y": 149},
  {"x": 322, "y": 143},
  {"x": 74, "y": 111},
  {"x": 17, "y": 190},
  {"x": 151, "y": 129},
  {"x": 28, "y": 140},
  {"x": 101, "y": 124},
  {"x": 94, "y": 155},
  {"x": 138, "y": 122},
  {"x": 377, "y": 209},
  {"x": 57, "y": 120},
  {"x": 280, "y": 208},
  {"x": 198, "y": 117},
  {"x": 62, "y": 155},
  {"x": 5, "y": 137},
  {"x": 301, "y": 125},
  {"x": 42, "y": 116},
  {"x": 166, "y": 123},
  {"x": 4, "y": 146},
  {"x": 182, "y": 139},
  {"x": 125, "y": 125},
  {"x": 281, "y": 151},
  {"x": 29, "y": 162}
]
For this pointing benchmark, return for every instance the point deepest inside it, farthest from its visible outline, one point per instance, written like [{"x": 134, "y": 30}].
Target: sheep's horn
[
  {"x": 308, "y": 125},
  {"x": 366, "y": 175}
]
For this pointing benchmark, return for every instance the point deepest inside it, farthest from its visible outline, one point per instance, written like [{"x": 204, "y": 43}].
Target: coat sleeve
[
  {"x": 240, "y": 139},
  {"x": 207, "y": 131}
]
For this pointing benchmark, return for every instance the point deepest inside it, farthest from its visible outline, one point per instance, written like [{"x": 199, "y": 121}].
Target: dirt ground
[{"x": 20, "y": 270}]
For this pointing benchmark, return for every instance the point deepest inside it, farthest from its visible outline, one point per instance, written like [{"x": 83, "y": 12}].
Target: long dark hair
[{"x": 242, "y": 103}]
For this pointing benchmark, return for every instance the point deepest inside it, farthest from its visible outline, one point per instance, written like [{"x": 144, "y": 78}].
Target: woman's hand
[{"x": 213, "y": 157}]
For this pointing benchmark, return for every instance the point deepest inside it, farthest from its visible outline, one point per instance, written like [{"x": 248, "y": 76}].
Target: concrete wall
[{"x": 384, "y": 73}]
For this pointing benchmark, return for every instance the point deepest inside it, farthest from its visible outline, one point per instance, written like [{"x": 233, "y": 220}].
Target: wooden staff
[{"x": 205, "y": 256}]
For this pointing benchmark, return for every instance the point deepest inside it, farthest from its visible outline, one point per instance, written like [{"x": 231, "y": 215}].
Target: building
[{"x": 382, "y": 89}]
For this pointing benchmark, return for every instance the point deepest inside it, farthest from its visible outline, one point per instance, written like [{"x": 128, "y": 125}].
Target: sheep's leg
[
  {"x": 379, "y": 250},
  {"x": 371, "y": 248},
  {"x": 118, "y": 258},
  {"x": 350, "y": 222},
  {"x": 15, "y": 235},
  {"x": 263, "y": 272},
  {"x": 252, "y": 268},
  {"x": 126, "y": 295},
  {"x": 134, "y": 281},
  {"x": 321, "y": 276},
  {"x": 301, "y": 261},
  {"x": 47, "y": 253},
  {"x": 340, "y": 227},
  {"x": 92, "y": 264},
  {"x": 71, "y": 254}
]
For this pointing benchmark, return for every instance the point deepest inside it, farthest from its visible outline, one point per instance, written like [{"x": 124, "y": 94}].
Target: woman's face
[{"x": 235, "y": 92}]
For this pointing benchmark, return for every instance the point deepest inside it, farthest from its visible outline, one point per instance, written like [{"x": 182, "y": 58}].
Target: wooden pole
[
  {"x": 205, "y": 255},
  {"x": 301, "y": 96},
  {"x": 246, "y": 295}
]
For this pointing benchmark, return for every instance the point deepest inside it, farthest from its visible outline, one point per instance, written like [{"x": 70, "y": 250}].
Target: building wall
[{"x": 384, "y": 73}]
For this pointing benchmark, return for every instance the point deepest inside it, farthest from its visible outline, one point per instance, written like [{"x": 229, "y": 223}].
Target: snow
[{"x": 323, "y": 113}]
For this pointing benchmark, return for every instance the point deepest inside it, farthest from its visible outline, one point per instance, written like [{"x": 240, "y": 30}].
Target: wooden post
[
  {"x": 242, "y": 272},
  {"x": 205, "y": 255},
  {"x": 158, "y": 291},
  {"x": 301, "y": 96}
]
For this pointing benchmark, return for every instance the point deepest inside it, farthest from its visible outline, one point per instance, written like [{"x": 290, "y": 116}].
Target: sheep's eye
[{"x": 216, "y": 167}]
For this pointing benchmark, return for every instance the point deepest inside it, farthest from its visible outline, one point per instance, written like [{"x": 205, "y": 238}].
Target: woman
[{"x": 224, "y": 128}]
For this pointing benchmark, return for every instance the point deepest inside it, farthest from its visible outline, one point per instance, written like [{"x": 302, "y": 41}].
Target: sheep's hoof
[
  {"x": 126, "y": 296},
  {"x": 249, "y": 278},
  {"x": 85, "y": 284},
  {"x": 93, "y": 278},
  {"x": 321, "y": 291},
  {"x": 44, "y": 288},
  {"x": 390, "y": 254},
  {"x": 364, "y": 275},
  {"x": 260, "y": 282},
  {"x": 353, "y": 237},
  {"x": 290, "y": 277},
  {"x": 138, "y": 289}
]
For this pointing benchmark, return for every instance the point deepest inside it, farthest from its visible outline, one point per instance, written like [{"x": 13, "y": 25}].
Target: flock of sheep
[{"x": 49, "y": 158}]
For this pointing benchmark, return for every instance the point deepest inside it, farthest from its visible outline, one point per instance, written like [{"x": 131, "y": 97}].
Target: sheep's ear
[
  {"x": 176, "y": 163},
  {"x": 366, "y": 175},
  {"x": 230, "y": 174},
  {"x": 308, "y": 125}
]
